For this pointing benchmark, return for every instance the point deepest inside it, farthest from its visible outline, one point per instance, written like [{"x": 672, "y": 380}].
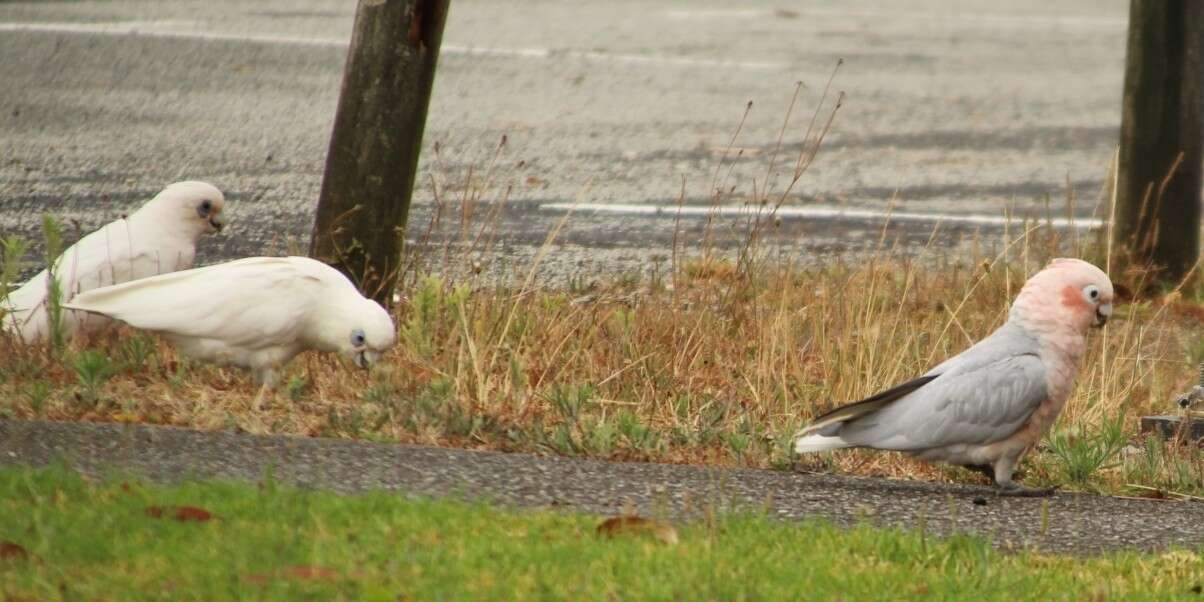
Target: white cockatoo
[
  {"x": 159, "y": 237},
  {"x": 985, "y": 407},
  {"x": 256, "y": 313}
]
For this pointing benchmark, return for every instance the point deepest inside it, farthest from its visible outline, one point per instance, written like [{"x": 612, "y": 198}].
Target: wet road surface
[{"x": 968, "y": 107}]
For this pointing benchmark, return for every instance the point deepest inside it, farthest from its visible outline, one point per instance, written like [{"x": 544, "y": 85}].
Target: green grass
[{"x": 96, "y": 542}]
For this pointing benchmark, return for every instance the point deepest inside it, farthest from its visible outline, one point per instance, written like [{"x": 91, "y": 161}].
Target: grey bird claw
[{"x": 1014, "y": 490}]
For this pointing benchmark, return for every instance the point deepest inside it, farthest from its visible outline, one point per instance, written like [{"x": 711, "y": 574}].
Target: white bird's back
[
  {"x": 160, "y": 237},
  {"x": 257, "y": 312}
]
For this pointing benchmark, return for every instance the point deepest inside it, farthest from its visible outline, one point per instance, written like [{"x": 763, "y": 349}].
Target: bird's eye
[
  {"x": 1091, "y": 293},
  {"x": 357, "y": 338},
  {"x": 204, "y": 208}
]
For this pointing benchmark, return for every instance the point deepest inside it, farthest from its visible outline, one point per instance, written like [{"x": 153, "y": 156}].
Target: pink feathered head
[{"x": 1068, "y": 294}]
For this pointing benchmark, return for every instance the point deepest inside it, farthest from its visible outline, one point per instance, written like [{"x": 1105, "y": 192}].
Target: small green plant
[
  {"x": 426, "y": 305},
  {"x": 380, "y": 393},
  {"x": 569, "y": 401},
  {"x": 562, "y": 440},
  {"x": 428, "y": 406},
  {"x": 738, "y": 443},
  {"x": 435, "y": 409},
  {"x": 135, "y": 352},
  {"x": 782, "y": 442},
  {"x": 639, "y": 436},
  {"x": 296, "y": 387},
  {"x": 601, "y": 438},
  {"x": 1081, "y": 454},
  {"x": 129, "y": 406},
  {"x": 177, "y": 372},
  {"x": 36, "y": 394},
  {"x": 53, "y": 235},
  {"x": 92, "y": 370},
  {"x": 352, "y": 423},
  {"x": 1166, "y": 466},
  {"x": 12, "y": 263}
]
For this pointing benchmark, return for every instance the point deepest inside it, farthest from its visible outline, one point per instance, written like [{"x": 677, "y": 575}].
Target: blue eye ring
[
  {"x": 357, "y": 338},
  {"x": 205, "y": 208}
]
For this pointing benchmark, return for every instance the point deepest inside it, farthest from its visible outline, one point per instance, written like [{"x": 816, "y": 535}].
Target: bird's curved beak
[
  {"x": 216, "y": 222},
  {"x": 1102, "y": 313},
  {"x": 364, "y": 359}
]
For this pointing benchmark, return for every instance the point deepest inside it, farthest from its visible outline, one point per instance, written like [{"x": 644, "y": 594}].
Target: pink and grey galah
[{"x": 987, "y": 406}]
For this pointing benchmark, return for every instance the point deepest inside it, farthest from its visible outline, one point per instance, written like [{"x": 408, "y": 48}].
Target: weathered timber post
[
  {"x": 1161, "y": 138},
  {"x": 372, "y": 163}
]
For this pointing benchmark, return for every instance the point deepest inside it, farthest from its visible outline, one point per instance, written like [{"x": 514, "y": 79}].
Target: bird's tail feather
[{"x": 817, "y": 443}]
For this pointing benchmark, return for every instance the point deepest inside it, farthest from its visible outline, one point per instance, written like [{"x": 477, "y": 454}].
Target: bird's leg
[
  {"x": 1003, "y": 469},
  {"x": 258, "y": 401},
  {"x": 267, "y": 380}
]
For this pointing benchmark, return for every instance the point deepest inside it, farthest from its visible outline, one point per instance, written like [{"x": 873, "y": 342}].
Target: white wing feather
[
  {"x": 104, "y": 257},
  {"x": 116, "y": 254},
  {"x": 253, "y": 303}
]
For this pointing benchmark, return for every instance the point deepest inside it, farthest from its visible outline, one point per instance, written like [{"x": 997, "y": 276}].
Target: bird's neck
[
  {"x": 326, "y": 332},
  {"x": 162, "y": 223},
  {"x": 1058, "y": 339}
]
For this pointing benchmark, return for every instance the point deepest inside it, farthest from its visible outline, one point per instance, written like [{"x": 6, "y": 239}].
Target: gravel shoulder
[{"x": 1065, "y": 523}]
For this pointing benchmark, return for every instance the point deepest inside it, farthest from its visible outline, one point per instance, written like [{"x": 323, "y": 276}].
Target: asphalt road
[
  {"x": 961, "y": 107},
  {"x": 1073, "y": 523}
]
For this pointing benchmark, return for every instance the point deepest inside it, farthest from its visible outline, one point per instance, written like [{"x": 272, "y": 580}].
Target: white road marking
[
  {"x": 157, "y": 29},
  {"x": 816, "y": 212},
  {"x": 153, "y": 29},
  {"x": 722, "y": 13},
  {"x": 969, "y": 18}
]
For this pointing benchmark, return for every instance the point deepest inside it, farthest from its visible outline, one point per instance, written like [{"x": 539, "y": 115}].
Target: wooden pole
[
  {"x": 373, "y": 158},
  {"x": 1161, "y": 138}
]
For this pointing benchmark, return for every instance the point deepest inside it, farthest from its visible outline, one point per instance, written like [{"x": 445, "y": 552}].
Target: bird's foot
[{"x": 1013, "y": 489}]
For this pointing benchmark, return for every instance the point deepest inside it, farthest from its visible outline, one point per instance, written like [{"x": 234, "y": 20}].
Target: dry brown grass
[{"x": 721, "y": 369}]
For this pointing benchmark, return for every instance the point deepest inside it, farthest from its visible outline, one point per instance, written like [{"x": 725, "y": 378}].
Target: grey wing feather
[
  {"x": 979, "y": 404},
  {"x": 1007, "y": 341}
]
